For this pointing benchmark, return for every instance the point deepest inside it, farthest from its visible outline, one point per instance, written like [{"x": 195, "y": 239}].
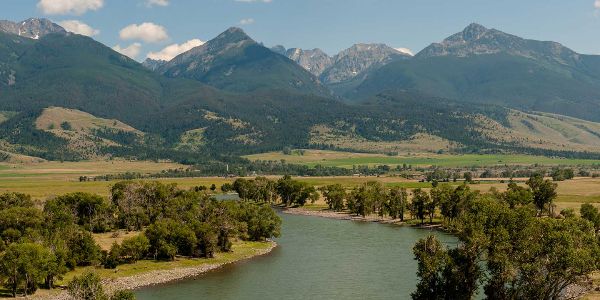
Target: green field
[{"x": 347, "y": 159}]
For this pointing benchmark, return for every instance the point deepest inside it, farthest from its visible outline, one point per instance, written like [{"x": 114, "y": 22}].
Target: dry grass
[
  {"x": 349, "y": 159},
  {"x": 322, "y": 134},
  {"x": 81, "y": 136},
  {"x": 106, "y": 240},
  {"x": 543, "y": 130},
  {"x": 48, "y": 179},
  {"x": 53, "y": 117}
]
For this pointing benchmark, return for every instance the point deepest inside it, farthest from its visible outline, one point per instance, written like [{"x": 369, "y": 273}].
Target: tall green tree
[
  {"x": 420, "y": 205},
  {"x": 590, "y": 212},
  {"x": 25, "y": 265},
  {"x": 516, "y": 195},
  {"x": 295, "y": 192},
  {"x": 397, "y": 202},
  {"x": 544, "y": 192},
  {"x": 441, "y": 197},
  {"x": 432, "y": 259},
  {"x": 335, "y": 195}
]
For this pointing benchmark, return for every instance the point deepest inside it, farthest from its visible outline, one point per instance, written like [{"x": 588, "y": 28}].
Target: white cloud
[
  {"x": 69, "y": 7},
  {"x": 171, "y": 51},
  {"x": 151, "y": 3},
  {"x": 407, "y": 51},
  {"x": 597, "y": 4},
  {"x": 131, "y": 51},
  {"x": 147, "y": 32},
  {"x": 79, "y": 27},
  {"x": 248, "y": 21},
  {"x": 250, "y": 1}
]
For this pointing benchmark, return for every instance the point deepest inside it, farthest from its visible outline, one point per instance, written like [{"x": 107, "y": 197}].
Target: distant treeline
[{"x": 248, "y": 168}]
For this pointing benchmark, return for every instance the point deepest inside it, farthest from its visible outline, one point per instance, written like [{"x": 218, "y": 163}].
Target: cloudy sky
[{"x": 164, "y": 28}]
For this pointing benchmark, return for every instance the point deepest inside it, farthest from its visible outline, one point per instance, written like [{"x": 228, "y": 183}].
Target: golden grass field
[
  {"x": 350, "y": 159},
  {"x": 48, "y": 179}
]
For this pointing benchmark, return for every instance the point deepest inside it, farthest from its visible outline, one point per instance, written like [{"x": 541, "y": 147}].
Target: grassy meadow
[
  {"x": 48, "y": 179},
  {"x": 349, "y": 159}
]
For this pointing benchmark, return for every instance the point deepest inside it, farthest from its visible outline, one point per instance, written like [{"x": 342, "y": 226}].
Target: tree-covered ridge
[{"x": 233, "y": 61}]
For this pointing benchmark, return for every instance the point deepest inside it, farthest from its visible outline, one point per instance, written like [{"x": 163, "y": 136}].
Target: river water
[{"x": 317, "y": 258}]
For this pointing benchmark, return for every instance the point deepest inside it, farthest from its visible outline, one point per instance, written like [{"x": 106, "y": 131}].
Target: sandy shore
[{"x": 156, "y": 277}]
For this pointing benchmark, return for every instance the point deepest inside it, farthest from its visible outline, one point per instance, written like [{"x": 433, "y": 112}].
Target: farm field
[
  {"x": 349, "y": 159},
  {"x": 48, "y": 179}
]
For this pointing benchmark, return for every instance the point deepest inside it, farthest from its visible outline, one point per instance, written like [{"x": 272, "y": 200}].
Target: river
[{"x": 317, "y": 258}]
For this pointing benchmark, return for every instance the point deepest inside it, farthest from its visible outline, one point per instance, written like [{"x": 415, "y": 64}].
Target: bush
[
  {"x": 135, "y": 248},
  {"x": 87, "y": 287},
  {"x": 123, "y": 295}
]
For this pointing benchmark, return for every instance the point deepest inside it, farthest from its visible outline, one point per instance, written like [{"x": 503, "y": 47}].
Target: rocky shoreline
[{"x": 159, "y": 276}]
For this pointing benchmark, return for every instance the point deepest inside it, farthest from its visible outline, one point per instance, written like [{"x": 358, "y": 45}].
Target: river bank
[
  {"x": 113, "y": 281},
  {"x": 347, "y": 216},
  {"x": 586, "y": 290}
]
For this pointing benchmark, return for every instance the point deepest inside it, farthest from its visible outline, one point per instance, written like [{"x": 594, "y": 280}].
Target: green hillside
[
  {"x": 141, "y": 114},
  {"x": 500, "y": 79},
  {"x": 234, "y": 62}
]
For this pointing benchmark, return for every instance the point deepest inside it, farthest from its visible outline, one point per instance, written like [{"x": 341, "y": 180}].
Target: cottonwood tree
[
  {"x": 544, "y": 192},
  {"x": 335, "y": 195},
  {"x": 420, "y": 205},
  {"x": 295, "y": 192},
  {"x": 25, "y": 265},
  {"x": 397, "y": 202}
]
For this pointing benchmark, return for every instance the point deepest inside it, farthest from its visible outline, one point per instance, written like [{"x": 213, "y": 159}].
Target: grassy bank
[
  {"x": 241, "y": 251},
  {"x": 149, "y": 272}
]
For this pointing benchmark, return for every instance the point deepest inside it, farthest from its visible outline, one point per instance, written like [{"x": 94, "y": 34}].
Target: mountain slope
[
  {"x": 315, "y": 61},
  {"x": 71, "y": 78},
  {"x": 233, "y": 61},
  {"x": 348, "y": 68},
  {"x": 489, "y": 66},
  {"x": 359, "y": 58}
]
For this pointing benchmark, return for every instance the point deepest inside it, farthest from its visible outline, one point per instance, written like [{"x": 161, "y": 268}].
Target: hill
[
  {"x": 489, "y": 66},
  {"x": 67, "y": 97},
  {"x": 233, "y": 61}
]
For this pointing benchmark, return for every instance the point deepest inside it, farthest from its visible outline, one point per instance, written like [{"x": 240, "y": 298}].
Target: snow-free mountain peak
[{"x": 31, "y": 28}]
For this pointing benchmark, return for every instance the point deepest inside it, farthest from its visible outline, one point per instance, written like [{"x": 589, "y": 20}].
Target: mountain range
[
  {"x": 347, "y": 68},
  {"x": 67, "y": 96}
]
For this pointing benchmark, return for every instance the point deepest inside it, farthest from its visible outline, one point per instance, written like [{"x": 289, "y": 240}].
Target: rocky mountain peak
[
  {"x": 233, "y": 35},
  {"x": 315, "y": 61},
  {"x": 476, "y": 39},
  {"x": 31, "y": 28},
  {"x": 359, "y": 58},
  {"x": 473, "y": 32}
]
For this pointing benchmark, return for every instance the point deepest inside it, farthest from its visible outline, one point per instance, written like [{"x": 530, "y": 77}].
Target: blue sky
[{"x": 331, "y": 25}]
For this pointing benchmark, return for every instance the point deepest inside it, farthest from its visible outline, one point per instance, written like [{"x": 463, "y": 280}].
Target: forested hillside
[{"x": 68, "y": 97}]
